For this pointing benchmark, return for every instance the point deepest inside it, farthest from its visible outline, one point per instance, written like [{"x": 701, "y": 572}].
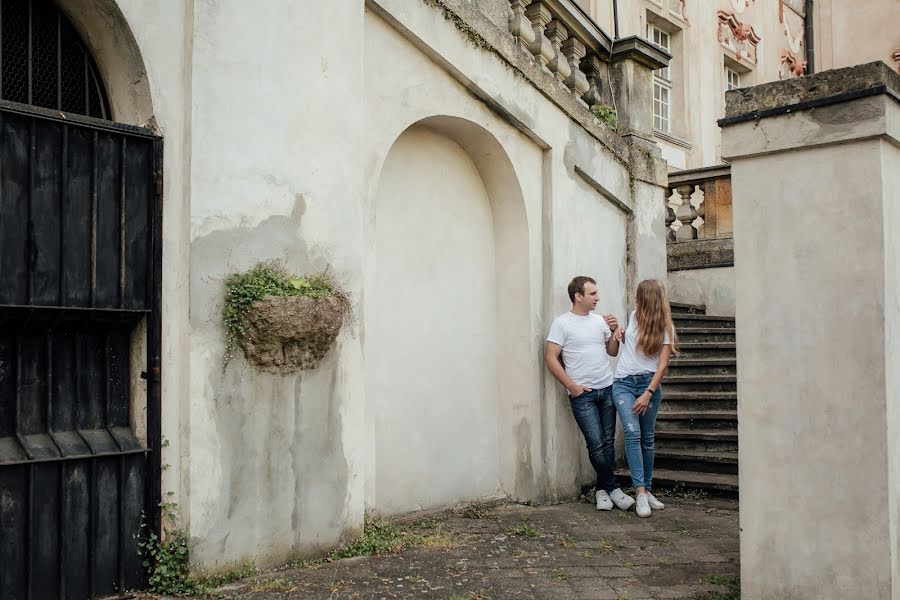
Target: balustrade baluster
[
  {"x": 574, "y": 51},
  {"x": 699, "y": 209},
  {"x": 540, "y": 47},
  {"x": 559, "y": 64},
  {"x": 520, "y": 26},
  {"x": 672, "y": 221}
]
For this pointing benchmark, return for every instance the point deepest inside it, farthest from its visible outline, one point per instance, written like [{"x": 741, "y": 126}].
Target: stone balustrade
[
  {"x": 698, "y": 205},
  {"x": 698, "y": 219},
  {"x": 567, "y": 43}
]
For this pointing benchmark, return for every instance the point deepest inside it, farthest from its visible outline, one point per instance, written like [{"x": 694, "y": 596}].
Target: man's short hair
[{"x": 576, "y": 286}]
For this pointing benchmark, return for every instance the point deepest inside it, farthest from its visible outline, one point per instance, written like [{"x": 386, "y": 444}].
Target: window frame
[
  {"x": 662, "y": 81},
  {"x": 732, "y": 79}
]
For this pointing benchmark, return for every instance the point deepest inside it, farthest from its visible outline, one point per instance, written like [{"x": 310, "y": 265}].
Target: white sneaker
[
  {"x": 603, "y": 501},
  {"x": 622, "y": 500},
  {"x": 643, "y": 506},
  {"x": 654, "y": 503}
]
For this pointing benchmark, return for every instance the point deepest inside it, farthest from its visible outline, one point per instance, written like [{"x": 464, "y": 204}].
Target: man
[{"x": 584, "y": 340}]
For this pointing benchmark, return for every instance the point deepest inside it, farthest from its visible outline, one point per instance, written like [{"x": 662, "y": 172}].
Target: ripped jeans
[{"x": 638, "y": 430}]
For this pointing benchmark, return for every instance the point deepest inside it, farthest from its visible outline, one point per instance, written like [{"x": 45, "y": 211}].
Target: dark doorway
[{"x": 80, "y": 231}]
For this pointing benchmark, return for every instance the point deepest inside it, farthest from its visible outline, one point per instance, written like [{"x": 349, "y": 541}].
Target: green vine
[
  {"x": 606, "y": 114},
  {"x": 265, "y": 279},
  {"x": 167, "y": 559}
]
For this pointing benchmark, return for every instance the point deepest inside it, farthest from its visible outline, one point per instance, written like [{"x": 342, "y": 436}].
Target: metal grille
[
  {"x": 44, "y": 62},
  {"x": 80, "y": 214}
]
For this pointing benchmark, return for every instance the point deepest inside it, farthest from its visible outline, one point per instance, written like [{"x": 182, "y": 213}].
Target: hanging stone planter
[
  {"x": 288, "y": 333},
  {"x": 282, "y": 324}
]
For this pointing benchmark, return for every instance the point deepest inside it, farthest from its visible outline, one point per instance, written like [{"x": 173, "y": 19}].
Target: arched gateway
[{"x": 79, "y": 318}]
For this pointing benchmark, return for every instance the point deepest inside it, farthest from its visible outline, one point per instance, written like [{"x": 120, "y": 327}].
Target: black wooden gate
[{"x": 80, "y": 223}]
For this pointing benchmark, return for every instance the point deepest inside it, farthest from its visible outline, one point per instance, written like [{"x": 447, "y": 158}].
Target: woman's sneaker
[
  {"x": 654, "y": 503},
  {"x": 621, "y": 499},
  {"x": 643, "y": 506},
  {"x": 603, "y": 501}
]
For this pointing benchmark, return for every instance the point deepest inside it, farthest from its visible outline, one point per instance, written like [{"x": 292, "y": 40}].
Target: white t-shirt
[
  {"x": 583, "y": 342},
  {"x": 631, "y": 360}
]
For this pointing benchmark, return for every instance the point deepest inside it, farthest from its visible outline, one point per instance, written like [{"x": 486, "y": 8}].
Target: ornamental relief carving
[
  {"x": 791, "y": 65},
  {"x": 738, "y": 37}
]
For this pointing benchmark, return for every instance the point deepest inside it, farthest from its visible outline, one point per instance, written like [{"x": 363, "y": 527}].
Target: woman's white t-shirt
[{"x": 631, "y": 360}]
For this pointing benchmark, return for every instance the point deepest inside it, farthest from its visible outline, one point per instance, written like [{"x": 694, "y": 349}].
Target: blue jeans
[
  {"x": 638, "y": 430},
  {"x": 596, "y": 417}
]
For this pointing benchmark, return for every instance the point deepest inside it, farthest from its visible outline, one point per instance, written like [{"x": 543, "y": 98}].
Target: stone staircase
[{"x": 696, "y": 428}]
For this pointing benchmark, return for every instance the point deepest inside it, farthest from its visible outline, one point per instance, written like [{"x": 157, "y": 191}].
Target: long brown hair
[{"x": 654, "y": 317}]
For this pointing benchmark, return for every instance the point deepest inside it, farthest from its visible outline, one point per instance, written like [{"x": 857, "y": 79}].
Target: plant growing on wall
[
  {"x": 282, "y": 323},
  {"x": 606, "y": 114}
]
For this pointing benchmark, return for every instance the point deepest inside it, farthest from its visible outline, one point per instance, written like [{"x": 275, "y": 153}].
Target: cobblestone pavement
[{"x": 561, "y": 552}]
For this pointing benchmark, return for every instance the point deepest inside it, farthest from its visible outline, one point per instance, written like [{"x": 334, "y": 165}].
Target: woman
[{"x": 646, "y": 347}]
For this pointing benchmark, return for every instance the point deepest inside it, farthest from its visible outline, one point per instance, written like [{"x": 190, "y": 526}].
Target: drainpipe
[
  {"x": 810, "y": 39},
  {"x": 615, "y": 19}
]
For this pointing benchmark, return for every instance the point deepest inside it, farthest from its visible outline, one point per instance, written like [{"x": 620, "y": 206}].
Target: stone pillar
[
  {"x": 631, "y": 67},
  {"x": 815, "y": 166}
]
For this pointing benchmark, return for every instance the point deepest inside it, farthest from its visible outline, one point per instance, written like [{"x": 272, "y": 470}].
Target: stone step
[
  {"x": 706, "y": 349},
  {"x": 716, "y": 440},
  {"x": 705, "y": 334},
  {"x": 699, "y": 383},
  {"x": 702, "y": 321},
  {"x": 693, "y": 400},
  {"x": 704, "y": 461},
  {"x": 680, "y": 308},
  {"x": 669, "y": 478},
  {"x": 703, "y": 366},
  {"x": 686, "y": 420}
]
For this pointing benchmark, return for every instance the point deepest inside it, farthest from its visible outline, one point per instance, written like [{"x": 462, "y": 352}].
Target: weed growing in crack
[
  {"x": 731, "y": 583},
  {"x": 526, "y": 530}
]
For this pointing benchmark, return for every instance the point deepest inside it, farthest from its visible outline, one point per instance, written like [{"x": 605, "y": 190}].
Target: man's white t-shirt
[
  {"x": 583, "y": 342},
  {"x": 631, "y": 360}
]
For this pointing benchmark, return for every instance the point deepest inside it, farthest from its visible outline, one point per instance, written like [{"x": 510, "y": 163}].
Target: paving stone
[{"x": 578, "y": 553}]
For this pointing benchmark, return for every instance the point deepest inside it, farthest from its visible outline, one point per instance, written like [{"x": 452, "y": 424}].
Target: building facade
[
  {"x": 722, "y": 45},
  {"x": 437, "y": 157}
]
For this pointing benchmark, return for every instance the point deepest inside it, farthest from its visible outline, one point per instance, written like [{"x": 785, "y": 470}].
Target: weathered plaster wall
[
  {"x": 854, "y": 33},
  {"x": 814, "y": 215},
  {"x": 789, "y": 395},
  {"x": 432, "y": 333},
  {"x": 890, "y": 167},
  {"x": 274, "y": 461},
  {"x": 713, "y": 287},
  {"x": 276, "y": 150}
]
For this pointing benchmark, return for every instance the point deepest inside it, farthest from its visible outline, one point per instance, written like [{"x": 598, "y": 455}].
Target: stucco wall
[
  {"x": 890, "y": 167},
  {"x": 276, "y": 149},
  {"x": 853, "y": 33},
  {"x": 800, "y": 245},
  {"x": 274, "y": 461},
  {"x": 713, "y": 287},
  {"x": 432, "y": 333}
]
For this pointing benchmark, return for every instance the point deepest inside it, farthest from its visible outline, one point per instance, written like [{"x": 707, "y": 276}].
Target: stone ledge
[
  {"x": 700, "y": 254},
  {"x": 821, "y": 89}
]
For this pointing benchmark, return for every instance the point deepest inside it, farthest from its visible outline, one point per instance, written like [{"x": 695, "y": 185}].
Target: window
[
  {"x": 44, "y": 62},
  {"x": 662, "y": 82},
  {"x": 732, "y": 79},
  {"x": 661, "y": 106},
  {"x": 660, "y": 38}
]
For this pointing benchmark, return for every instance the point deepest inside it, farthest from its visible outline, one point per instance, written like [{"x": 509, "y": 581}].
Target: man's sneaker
[
  {"x": 621, "y": 499},
  {"x": 654, "y": 503},
  {"x": 603, "y": 501},
  {"x": 643, "y": 506}
]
